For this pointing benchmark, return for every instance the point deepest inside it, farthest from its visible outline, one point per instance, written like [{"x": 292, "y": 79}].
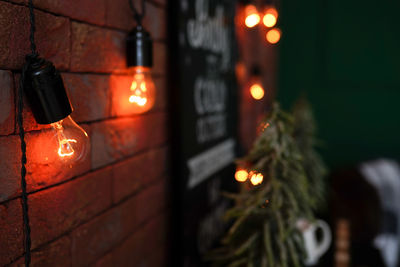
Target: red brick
[
  {"x": 89, "y": 96},
  {"x": 56, "y": 210},
  {"x": 91, "y": 240},
  {"x": 162, "y": 94},
  {"x": 10, "y": 167},
  {"x": 144, "y": 247},
  {"x": 44, "y": 166},
  {"x": 160, "y": 58},
  {"x": 57, "y": 253},
  {"x": 155, "y": 22},
  {"x": 105, "y": 261},
  {"x": 52, "y": 37},
  {"x": 11, "y": 233},
  {"x": 157, "y": 128},
  {"x": 116, "y": 139},
  {"x": 159, "y": 2},
  {"x": 7, "y": 106},
  {"x": 95, "y": 49},
  {"x": 119, "y": 15},
  {"x": 134, "y": 173},
  {"x": 84, "y": 10},
  {"x": 151, "y": 201}
]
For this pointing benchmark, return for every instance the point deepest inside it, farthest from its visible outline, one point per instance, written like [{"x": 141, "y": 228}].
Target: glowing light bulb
[
  {"x": 273, "y": 36},
  {"x": 252, "y": 17},
  {"x": 69, "y": 140},
  {"x": 270, "y": 18},
  {"x": 241, "y": 175},
  {"x": 142, "y": 90},
  {"x": 257, "y": 91},
  {"x": 256, "y": 178}
]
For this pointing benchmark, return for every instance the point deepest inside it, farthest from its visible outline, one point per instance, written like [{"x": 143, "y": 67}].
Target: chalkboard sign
[{"x": 204, "y": 111}]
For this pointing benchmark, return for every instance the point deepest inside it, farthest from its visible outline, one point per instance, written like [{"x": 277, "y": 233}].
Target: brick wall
[{"x": 111, "y": 209}]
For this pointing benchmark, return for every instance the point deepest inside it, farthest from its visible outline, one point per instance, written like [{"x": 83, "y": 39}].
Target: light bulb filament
[
  {"x": 141, "y": 101},
  {"x": 65, "y": 149}
]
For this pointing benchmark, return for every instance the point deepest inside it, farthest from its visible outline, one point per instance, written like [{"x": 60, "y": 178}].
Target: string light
[
  {"x": 270, "y": 17},
  {"x": 241, "y": 175},
  {"x": 64, "y": 140},
  {"x": 257, "y": 91},
  {"x": 252, "y": 18},
  {"x": 256, "y": 178},
  {"x": 255, "y": 86},
  {"x": 139, "y": 52},
  {"x": 273, "y": 36}
]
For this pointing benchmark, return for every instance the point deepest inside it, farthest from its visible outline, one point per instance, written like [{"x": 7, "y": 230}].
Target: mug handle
[{"x": 324, "y": 245}]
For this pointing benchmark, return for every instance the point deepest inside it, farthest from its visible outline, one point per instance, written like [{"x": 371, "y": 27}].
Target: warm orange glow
[
  {"x": 138, "y": 88},
  {"x": 273, "y": 36},
  {"x": 71, "y": 140},
  {"x": 241, "y": 175},
  {"x": 141, "y": 101},
  {"x": 269, "y": 20},
  {"x": 252, "y": 16},
  {"x": 270, "y": 17},
  {"x": 65, "y": 149},
  {"x": 256, "y": 91},
  {"x": 256, "y": 178},
  {"x": 142, "y": 89}
]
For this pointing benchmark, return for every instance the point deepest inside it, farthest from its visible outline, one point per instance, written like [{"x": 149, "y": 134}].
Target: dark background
[{"x": 344, "y": 56}]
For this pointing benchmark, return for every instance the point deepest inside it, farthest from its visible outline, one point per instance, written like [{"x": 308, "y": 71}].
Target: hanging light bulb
[
  {"x": 64, "y": 140},
  {"x": 241, "y": 175},
  {"x": 252, "y": 18},
  {"x": 257, "y": 91},
  {"x": 270, "y": 17},
  {"x": 255, "y": 86},
  {"x": 140, "y": 60},
  {"x": 256, "y": 178},
  {"x": 273, "y": 36}
]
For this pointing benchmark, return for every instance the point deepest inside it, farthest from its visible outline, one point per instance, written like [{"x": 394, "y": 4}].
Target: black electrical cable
[
  {"x": 138, "y": 16},
  {"x": 29, "y": 59}
]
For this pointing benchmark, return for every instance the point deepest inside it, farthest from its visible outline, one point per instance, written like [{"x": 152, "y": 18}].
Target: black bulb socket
[
  {"x": 139, "y": 48},
  {"x": 45, "y": 91}
]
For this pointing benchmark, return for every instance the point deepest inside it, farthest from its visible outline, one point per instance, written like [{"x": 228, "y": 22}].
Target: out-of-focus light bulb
[
  {"x": 257, "y": 91},
  {"x": 270, "y": 17},
  {"x": 70, "y": 141},
  {"x": 273, "y": 36},
  {"x": 252, "y": 17},
  {"x": 256, "y": 178},
  {"x": 241, "y": 175},
  {"x": 142, "y": 90}
]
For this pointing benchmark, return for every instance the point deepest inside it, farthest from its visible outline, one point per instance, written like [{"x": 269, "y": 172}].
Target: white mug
[{"x": 314, "y": 248}]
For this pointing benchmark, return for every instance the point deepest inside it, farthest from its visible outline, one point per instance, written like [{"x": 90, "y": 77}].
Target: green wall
[{"x": 345, "y": 57}]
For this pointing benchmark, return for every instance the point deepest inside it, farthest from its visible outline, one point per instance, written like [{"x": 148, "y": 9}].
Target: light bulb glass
[
  {"x": 142, "y": 89},
  {"x": 71, "y": 142},
  {"x": 62, "y": 143},
  {"x": 273, "y": 36},
  {"x": 241, "y": 175},
  {"x": 252, "y": 17},
  {"x": 257, "y": 91}
]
